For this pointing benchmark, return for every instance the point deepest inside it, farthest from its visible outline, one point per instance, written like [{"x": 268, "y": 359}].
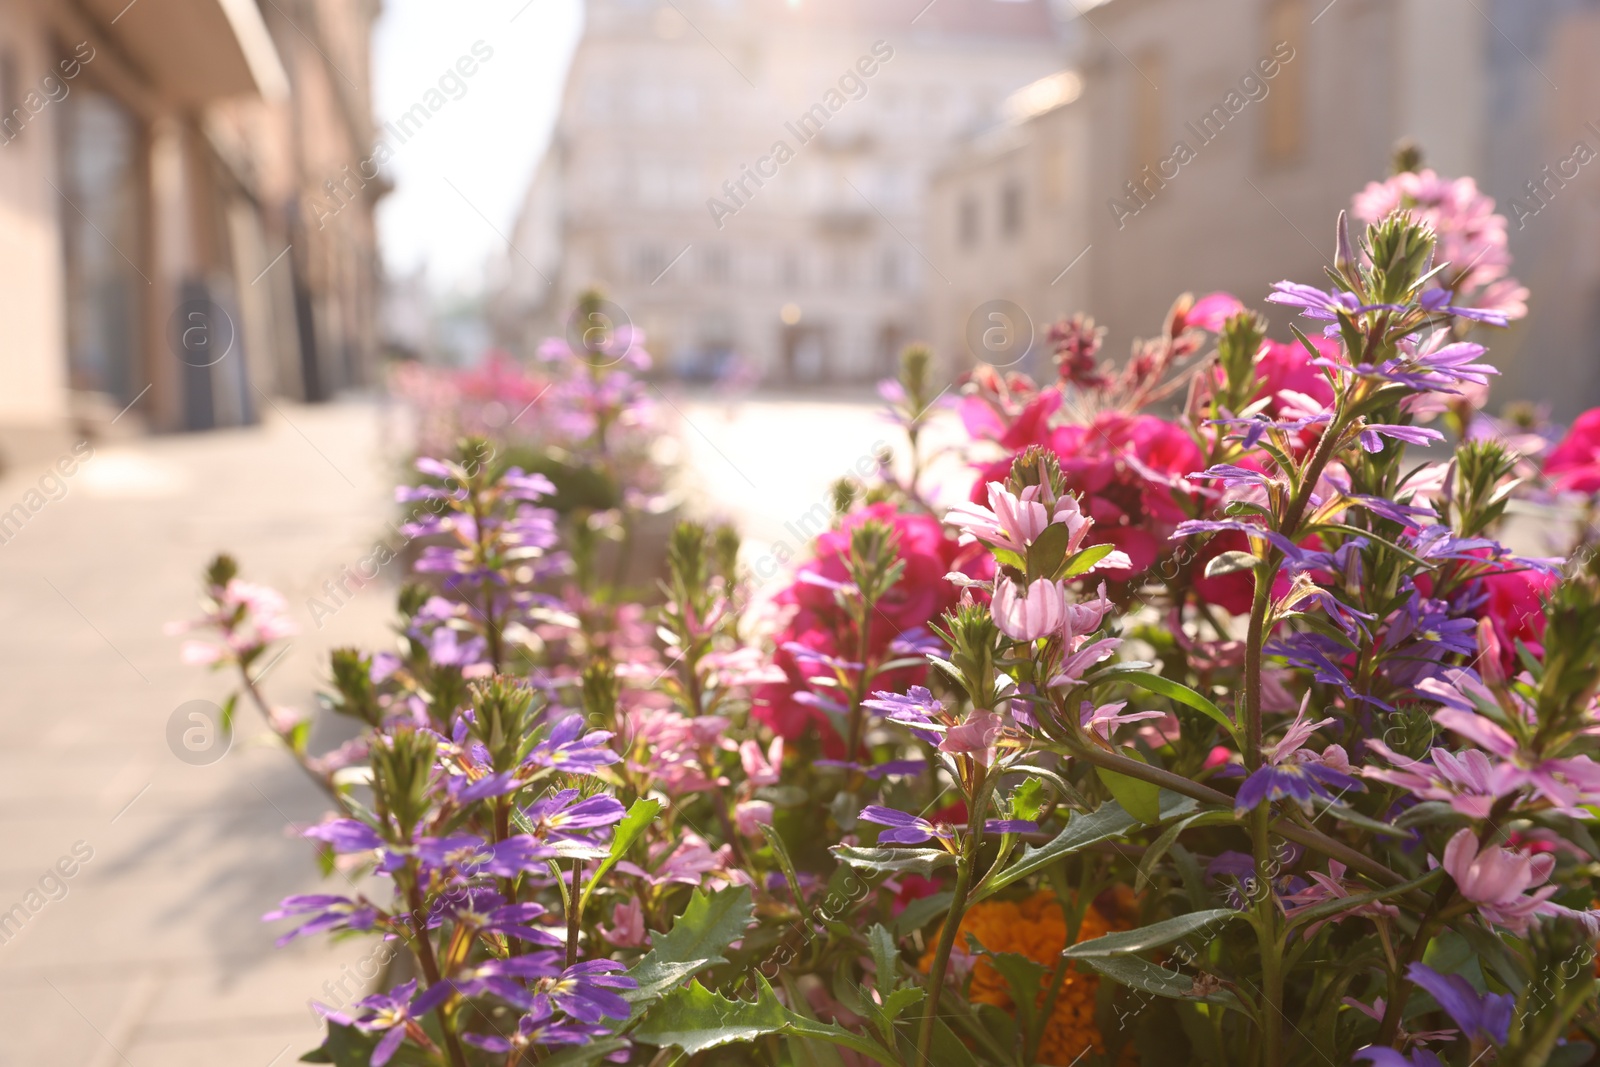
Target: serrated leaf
[
  {"x": 694, "y": 1018},
  {"x": 697, "y": 939},
  {"x": 1128, "y": 942},
  {"x": 920, "y": 861},
  {"x": 1105, "y": 822},
  {"x": 1138, "y": 798},
  {"x": 1141, "y": 974},
  {"x": 1027, "y": 800}
]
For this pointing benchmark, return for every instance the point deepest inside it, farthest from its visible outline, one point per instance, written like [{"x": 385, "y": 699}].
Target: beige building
[
  {"x": 745, "y": 178},
  {"x": 1210, "y": 146},
  {"x": 153, "y": 157}
]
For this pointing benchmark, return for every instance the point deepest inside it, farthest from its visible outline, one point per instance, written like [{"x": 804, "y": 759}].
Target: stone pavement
[{"x": 152, "y": 953}]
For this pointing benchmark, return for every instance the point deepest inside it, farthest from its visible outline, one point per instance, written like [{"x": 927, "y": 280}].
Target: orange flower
[{"x": 1033, "y": 927}]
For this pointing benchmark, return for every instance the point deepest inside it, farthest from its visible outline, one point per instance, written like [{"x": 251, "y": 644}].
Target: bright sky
[{"x": 486, "y": 143}]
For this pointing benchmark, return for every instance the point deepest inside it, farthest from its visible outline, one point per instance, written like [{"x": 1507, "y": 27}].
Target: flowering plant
[{"x": 1235, "y": 736}]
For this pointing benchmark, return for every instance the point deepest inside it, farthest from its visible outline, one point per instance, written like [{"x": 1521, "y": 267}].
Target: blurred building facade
[
  {"x": 1211, "y": 146},
  {"x": 155, "y": 158},
  {"x": 744, "y": 178}
]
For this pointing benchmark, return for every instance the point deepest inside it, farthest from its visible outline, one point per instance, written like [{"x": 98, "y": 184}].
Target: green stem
[
  {"x": 947, "y": 936},
  {"x": 430, "y": 970}
]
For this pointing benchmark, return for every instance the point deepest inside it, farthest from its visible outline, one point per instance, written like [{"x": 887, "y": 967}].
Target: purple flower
[
  {"x": 1320, "y": 304},
  {"x": 462, "y": 851},
  {"x": 1481, "y": 1016},
  {"x": 878, "y": 771},
  {"x": 387, "y": 1013},
  {"x": 1372, "y": 433},
  {"x": 917, "y": 709},
  {"x": 346, "y": 835},
  {"x": 487, "y": 912},
  {"x": 1009, "y": 826},
  {"x": 585, "y": 991},
  {"x": 327, "y": 913},
  {"x": 464, "y": 791},
  {"x": 571, "y": 750},
  {"x": 1437, "y": 301},
  {"x": 1295, "y": 781},
  {"x": 1426, "y": 367},
  {"x": 534, "y": 1030},
  {"x": 563, "y": 817},
  {"x": 904, "y": 828},
  {"x": 513, "y": 856},
  {"x": 1388, "y": 1057},
  {"x": 502, "y": 978}
]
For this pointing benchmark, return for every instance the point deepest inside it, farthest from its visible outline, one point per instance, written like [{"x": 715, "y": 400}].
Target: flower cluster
[{"x": 1218, "y": 724}]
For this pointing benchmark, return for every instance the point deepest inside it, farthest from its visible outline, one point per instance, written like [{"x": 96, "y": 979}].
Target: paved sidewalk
[{"x": 152, "y": 953}]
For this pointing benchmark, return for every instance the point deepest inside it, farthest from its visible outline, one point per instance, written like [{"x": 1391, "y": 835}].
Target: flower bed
[{"x": 1230, "y": 736}]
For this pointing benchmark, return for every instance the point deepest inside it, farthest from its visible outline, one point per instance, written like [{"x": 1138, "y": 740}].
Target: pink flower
[
  {"x": 1471, "y": 237},
  {"x": 1029, "y": 615},
  {"x": 1106, "y": 718},
  {"x": 1468, "y": 780},
  {"x": 627, "y": 925},
  {"x": 974, "y": 737},
  {"x": 1014, "y": 522},
  {"x": 1331, "y": 886},
  {"x": 1496, "y": 879},
  {"x": 762, "y": 769},
  {"x": 1574, "y": 463},
  {"x": 751, "y": 815}
]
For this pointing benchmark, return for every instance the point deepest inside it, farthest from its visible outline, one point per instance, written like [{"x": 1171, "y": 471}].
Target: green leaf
[
  {"x": 1027, "y": 800},
  {"x": 1230, "y": 563},
  {"x": 1049, "y": 551},
  {"x": 632, "y": 827},
  {"x": 1169, "y": 837},
  {"x": 696, "y": 941},
  {"x": 920, "y": 861},
  {"x": 584, "y": 1055},
  {"x": 1138, "y": 798},
  {"x": 1141, "y": 974},
  {"x": 785, "y": 864},
  {"x": 1024, "y": 976},
  {"x": 1172, "y": 690},
  {"x": 694, "y": 1018},
  {"x": 1010, "y": 559},
  {"x": 1127, "y": 942},
  {"x": 919, "y": 913},
  {"x": 885, "y": 957},
  {"x": 1105, "y": 822},
  {"x": 1083, "y": 561}
]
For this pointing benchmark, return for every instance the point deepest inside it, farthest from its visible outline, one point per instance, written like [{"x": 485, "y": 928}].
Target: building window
[
  {"x": 1285, "y": 103},
  {"x": 101, "y": 149},
  {"x": 1011, "y": 209},
  {"x": 967, "y": 222}
]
